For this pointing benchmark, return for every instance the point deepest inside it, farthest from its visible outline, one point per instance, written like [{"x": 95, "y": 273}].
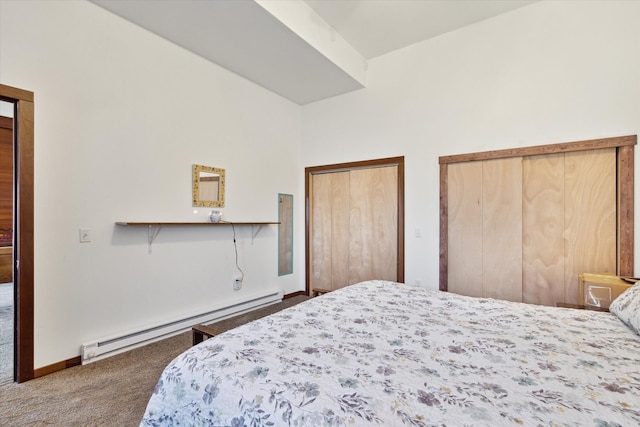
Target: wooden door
[
  {"x": 543, "y": 229},
  {"x": 524, "y": 228},
  {"x": 373, "y": 219},
  {"x": 590, "y": 216},
  {"x": 570, "y": 222},
  {"x": 502, "y": 229},
  {"x": 465, "y": 228},
  {"x": 23, "y": 235},
  {"x": 485, "y": 228},
  {"x": 354, "y": 229},
  {"x": 330, "y": 231}
]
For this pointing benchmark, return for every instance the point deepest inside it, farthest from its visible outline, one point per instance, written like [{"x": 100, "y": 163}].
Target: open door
[{"x": 23, "y": 229}]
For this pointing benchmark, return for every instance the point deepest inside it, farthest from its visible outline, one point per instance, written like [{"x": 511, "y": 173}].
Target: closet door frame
[
  {"x": 340, "y": 167},
  {"x": 625, "y": 187}
]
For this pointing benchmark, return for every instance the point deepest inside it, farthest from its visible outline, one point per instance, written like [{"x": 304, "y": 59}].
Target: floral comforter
[{"x": 381, "y": 353}]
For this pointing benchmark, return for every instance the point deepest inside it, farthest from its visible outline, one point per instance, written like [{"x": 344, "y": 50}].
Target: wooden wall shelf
[{"x": 153, "y": 228}]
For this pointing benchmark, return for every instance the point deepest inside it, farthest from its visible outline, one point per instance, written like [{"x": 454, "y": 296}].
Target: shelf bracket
[
  {"x": 255, "y": 230},
  {"x": 152, "y": 233}
]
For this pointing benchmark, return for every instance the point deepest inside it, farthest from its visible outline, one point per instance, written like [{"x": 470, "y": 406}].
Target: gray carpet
[
  {"x": 6, "y": 332},
  {"x": 109, "y": 392}
]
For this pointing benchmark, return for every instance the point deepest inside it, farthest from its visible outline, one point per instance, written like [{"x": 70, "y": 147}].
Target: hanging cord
[{"x": 235, "y": 247}]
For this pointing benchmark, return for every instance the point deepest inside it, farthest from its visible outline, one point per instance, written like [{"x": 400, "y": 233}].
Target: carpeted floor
[
  {"x": 6, "y": 332},
  {"x": 109, "y": 392}
]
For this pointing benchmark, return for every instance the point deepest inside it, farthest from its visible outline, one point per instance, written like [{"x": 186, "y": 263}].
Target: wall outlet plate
[{"x": 85, "y": 235}]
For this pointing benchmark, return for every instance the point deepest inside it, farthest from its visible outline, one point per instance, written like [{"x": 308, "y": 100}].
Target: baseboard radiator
[{"x": 100, "y": 349}]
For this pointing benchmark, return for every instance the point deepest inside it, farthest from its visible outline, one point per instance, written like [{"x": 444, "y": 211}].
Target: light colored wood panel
[
  {"x": 465, "y": 228},
  {"x": 502, "y": 229},
  {"x": 340, "y": 257},
  {"x": 373, "y": 224},
  {"x": 543, "y": 229},
  {"x": 321, "y": 201},
  {"x": 590, "y": 216},
  {"x": 383, "y": 197}
]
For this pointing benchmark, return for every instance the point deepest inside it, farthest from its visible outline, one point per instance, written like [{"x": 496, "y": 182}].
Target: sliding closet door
[
  {"x": 570, "y": 222},
  {"x": 590, "y": 215},
  {"x": 330, "y": 230},
  {"x": 465, "y": 228},
  {"x": 524, "y": 228},
  {"x": 543, "y": 229},
  {"x": 502, "y": 229},
  {"x": 373, "y": 220},
  {"x": 354, "y": 227},
  {"x": 485, "y": 228}
]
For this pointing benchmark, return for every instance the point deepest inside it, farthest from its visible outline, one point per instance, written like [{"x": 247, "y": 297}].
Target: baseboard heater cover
[{"x": 110, "y": 346}]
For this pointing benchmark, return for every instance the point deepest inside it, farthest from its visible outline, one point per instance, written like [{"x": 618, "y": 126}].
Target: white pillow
[{"x": 627, "y": 307}]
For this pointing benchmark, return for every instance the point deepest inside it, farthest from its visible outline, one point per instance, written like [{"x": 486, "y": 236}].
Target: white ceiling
[
  {"x": 302, "y": 50},
  {"x": 376, "y": 27}
]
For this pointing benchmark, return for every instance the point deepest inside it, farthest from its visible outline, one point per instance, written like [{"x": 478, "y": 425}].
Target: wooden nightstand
[
  {"x": 581, "y": 307},
  {"x": 601, "y": 289}
]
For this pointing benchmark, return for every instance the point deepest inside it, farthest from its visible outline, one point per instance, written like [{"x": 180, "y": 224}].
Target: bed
[{"x": 383, "y": 353}]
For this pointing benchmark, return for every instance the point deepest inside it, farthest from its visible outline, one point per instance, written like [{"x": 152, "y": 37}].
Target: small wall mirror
[
  {"x": 208, "y": 186},
  {"x": 285, "y": 234}
]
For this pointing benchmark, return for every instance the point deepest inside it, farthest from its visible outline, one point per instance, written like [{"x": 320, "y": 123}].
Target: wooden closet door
[
  {"x": 543, "y": 229},
  {"x": 502, "y": 229},
  {"x": 569, "y": 222},
  {"x": 373, "y": 220},
  {"x": 330, "y": 231},
  {"x": 577, "y": 217},
  {"x": 590, "y": 216},
  {"x": 465, "y": 228},
  {"x": 485, "y": 228},
  {"x": 354, "y": 233}
]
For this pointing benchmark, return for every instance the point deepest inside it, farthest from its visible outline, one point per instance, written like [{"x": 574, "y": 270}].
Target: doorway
[
  {"x": 23, "y": 229},
  {"x": 354, "y": 223},
  {"x": 6, "y": 243}
]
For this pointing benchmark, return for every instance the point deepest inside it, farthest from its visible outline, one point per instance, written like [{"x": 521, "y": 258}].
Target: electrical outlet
[
  {"x": 85, "y": 235},
  {"x": 237, "y": 283}
]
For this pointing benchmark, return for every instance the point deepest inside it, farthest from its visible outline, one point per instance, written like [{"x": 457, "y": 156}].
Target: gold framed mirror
[{"x": 208, "y": 186}]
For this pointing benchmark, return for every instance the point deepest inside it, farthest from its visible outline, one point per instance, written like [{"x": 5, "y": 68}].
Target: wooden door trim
[
  {"x": 625, "y": 164},
  {"x": 538, "y": 150},
  {"x": 625, "y": 160},
  {"x": 338, "y": 167},
  {"x": 24, "y": 229}
]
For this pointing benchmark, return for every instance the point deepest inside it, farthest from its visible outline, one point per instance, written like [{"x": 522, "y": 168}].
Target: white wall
[
  {"x": 551, "y": 72},
  {"x": 121, "y": 115}
]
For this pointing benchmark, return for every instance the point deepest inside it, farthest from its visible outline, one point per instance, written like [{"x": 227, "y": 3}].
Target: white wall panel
[{"x": 121, "y": 115}]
